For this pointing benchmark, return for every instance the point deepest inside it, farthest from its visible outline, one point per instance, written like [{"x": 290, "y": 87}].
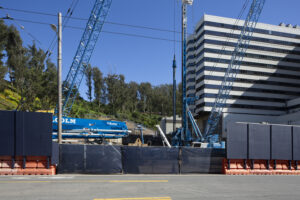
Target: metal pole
[
  {"x": 174, "y": 95},
  {"x": 163, "y": 136},
  {"x": 142, "y": 136},
  {"x": 59, "y": 82},
  {"x": 183, "y": 71}
]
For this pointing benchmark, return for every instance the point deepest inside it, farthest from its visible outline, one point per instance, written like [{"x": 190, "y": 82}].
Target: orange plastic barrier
[
  {"x": 34, "y": 165},
  {"x": 260, "y": 167}
]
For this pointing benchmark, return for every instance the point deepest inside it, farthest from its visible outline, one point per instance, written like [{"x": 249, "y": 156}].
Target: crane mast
[
  {"x": 234, "y": 65},
  {"x": 83, "y": 54},
  {"x": 185, "y": 134}
]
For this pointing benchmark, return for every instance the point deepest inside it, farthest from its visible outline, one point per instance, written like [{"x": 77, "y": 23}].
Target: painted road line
[
  {"x": 85, "y": 181},
  {"x": 139, "y": 198},
  {"x": 56, "y": 177},
  {"x": 138, "y": 181}
]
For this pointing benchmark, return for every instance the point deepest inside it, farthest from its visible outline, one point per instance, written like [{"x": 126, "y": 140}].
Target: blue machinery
[
  {"x": 183, "y": 136},
  {"x": 89, "y": 128},
  {"x": 86, "y": 128}
]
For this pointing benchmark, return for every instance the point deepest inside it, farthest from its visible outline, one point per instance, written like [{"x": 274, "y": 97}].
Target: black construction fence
[
  {"x": 108, "y": 159},
  {"x": 263, "y": 142},
  {"x": 94, "y": 159},
  {"x": 30, "y": 134},
  {"x": 25, "y": 134}
]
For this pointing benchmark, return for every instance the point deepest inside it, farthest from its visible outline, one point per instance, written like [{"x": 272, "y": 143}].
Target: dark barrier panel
[
  {"x": 71, "y": 158},
  {"x": 150, "y": 160},
  {"x": 33, "y": 134},
  {"x": 103, "y": 159},
  {"x": 95, "y": 159},
  {"x": 55, "y": 153},
  {"x": 200, "y": 160},
  {"x": 281, "y": 142},
  {"x": 259, "y": 141},
  {"x": 7, "y": 133},
  {"x": 237, "y": 139},
  {"x": 296, "y": 143}
]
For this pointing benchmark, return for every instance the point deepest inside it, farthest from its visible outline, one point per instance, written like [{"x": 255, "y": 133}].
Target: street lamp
[{"x": 58, "y": 31}]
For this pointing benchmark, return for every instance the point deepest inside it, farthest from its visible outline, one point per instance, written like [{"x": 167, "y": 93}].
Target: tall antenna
[{"x": 174, "y": 26}]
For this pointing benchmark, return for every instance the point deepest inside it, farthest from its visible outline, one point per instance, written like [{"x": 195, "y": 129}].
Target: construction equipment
[
  {"x": 234, "y": 65},
  {"x": 90, "y": 128},
  {"x": 138, "y": 143},
  {"x": 84, "y": 52},
  {"x": 140, "y": 128},
  {"x": 165, "y": 140},
  {"x": 183, "y": 136},
  {"x": 86, "y": 128}
]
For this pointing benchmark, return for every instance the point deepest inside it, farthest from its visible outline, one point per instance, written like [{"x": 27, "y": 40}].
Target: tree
[
  {"x": 122, "y": 90},
  {"x": 132, "y": 93},
  {"x": 89, "y": 78},
  {"x": 33, "y": 77},
  {"x": 116, "y": 92},
  {"x": 144, "y": 94},
  {"x": 3, "y": 40},
  {"x": 98, "y": 84},
  {"x": 49, "y": 94},
  {"x": 15, "y": 53}
]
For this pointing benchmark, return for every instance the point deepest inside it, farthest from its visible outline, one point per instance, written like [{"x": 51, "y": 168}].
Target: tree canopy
[{"x": 33, "y": 75}]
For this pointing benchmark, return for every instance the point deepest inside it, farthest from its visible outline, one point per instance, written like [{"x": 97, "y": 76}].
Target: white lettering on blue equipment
[{"x": 112, "y": 123}]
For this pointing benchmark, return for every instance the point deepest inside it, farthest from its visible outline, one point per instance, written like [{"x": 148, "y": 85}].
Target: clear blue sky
[{"x": 139, "y": 59}]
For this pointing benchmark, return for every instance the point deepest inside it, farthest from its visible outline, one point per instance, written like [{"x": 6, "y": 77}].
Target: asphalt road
[{"x": 149, "y": 187}]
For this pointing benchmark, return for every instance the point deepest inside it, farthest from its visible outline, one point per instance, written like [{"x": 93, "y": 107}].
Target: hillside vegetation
[{"x": 28, "y": 82}]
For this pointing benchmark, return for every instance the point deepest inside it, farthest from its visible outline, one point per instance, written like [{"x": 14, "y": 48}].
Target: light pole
[{"x": 59, "y": 82}]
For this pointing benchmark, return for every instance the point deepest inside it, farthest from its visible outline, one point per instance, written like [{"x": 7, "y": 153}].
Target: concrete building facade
[
  {"x": 166, "y": 124},
  {"x": 268, "y": 83}
]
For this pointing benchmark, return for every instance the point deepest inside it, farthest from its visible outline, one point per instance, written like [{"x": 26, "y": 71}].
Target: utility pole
[
  {"x": 183, "y": 69},
  {"x": 59, "y": 82},
  {"x": 174, "y": 94}
]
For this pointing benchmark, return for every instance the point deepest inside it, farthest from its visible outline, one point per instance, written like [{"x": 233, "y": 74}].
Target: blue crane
[
  {"x": 234, "y": 66},
  {"x": 86, "y": 128},
  {"x": 184, "y": 136},
  {"x": 84, "y": 52}
]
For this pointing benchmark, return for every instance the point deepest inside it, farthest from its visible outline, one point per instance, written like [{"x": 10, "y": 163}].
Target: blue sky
[{"x": 139, "y": 59}]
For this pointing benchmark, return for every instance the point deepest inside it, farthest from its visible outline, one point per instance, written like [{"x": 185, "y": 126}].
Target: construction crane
[
  {"x": 84, "y": 52},
  {"x": 183, "y": 136},
  {"x": 234, "y": 66},
  {"x": 86, "y": 128}
]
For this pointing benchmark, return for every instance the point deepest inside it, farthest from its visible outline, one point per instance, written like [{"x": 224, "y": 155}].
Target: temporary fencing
[
  {"x": 150, "y": 160},
  {"x": 262, "y": 149},
  {"x": 201, "y": 160},
  {"x": 107, "y": 159},
  {"x": 26, "y": 143},
  {"x": 93, "y": 159}
]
